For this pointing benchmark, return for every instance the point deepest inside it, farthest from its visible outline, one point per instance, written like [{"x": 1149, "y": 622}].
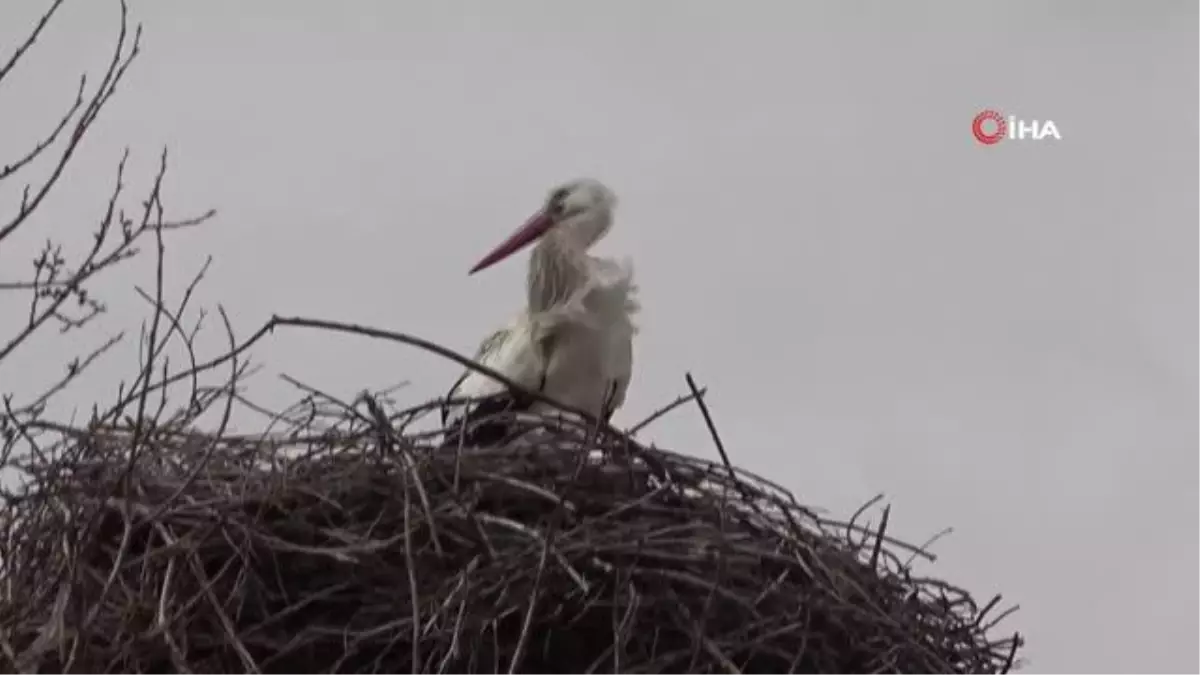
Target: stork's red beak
[{"x": 525, "y": 235}]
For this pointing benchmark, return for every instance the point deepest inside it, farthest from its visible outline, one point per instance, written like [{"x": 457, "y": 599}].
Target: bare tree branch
[{"x": 60, "y": 288}]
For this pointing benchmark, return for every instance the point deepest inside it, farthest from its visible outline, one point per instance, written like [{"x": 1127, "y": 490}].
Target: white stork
[{"x": 573, "y": 342}]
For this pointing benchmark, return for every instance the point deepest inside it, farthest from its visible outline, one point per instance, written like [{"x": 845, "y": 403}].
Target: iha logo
[{"x": 990, "y": 127}]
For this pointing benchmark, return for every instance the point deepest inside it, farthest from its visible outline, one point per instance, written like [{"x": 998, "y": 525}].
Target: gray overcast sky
[{"x": 1003, "y": 339}]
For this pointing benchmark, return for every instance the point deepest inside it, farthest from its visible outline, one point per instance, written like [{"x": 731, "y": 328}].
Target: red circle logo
[{"x": 982, "y": 134}]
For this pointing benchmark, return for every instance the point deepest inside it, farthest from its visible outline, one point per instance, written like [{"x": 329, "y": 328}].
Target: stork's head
[{"x": 578, "y": 214}]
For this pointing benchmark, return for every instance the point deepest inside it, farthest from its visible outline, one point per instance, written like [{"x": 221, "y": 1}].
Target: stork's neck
[{"x": 558, "y": 266}]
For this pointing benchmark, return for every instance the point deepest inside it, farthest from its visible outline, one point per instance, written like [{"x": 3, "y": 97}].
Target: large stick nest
[{"x": 361, "y": 549}]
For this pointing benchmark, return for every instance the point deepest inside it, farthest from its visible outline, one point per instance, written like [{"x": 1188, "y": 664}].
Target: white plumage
[{"x": 573, "y": 342}]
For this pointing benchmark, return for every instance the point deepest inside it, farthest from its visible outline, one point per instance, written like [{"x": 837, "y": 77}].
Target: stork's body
[{"x": 573, "y": 342}]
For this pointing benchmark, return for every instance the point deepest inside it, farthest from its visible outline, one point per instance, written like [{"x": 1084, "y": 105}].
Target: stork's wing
[
  {"x": 511, "y": 351},
  {"x": 624, "y": 372}
]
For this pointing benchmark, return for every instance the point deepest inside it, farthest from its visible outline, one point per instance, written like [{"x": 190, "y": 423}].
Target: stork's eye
[{"x": 557, "y": 204}]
